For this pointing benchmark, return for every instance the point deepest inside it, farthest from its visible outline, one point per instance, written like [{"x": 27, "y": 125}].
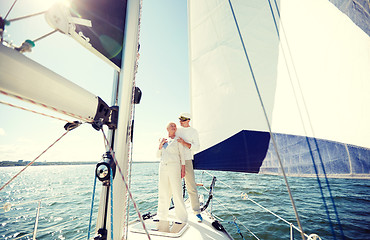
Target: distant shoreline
[{"x": 19, "y": 164}]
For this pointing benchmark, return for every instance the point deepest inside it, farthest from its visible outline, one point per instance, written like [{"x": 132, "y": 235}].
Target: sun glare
[{"x": 46, "y": 4}]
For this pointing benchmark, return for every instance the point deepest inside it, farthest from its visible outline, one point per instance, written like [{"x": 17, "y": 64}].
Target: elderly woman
[{"x": 171, "y": 170}]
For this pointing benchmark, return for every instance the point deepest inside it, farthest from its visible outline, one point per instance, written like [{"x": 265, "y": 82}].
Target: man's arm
[
  {"x": 185, "y": 144},
  {"x": 195, "y": 144}
]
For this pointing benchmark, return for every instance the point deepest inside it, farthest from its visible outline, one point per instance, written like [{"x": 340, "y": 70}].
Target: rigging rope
[
  {"x": 10, "y": 9},
  {"x": 15, "y": 176},
  {"x": 45, "y": 106},
  {"x": 27, "y": 16},
  {"x": 44, "y": 36},
  {"x": 92, "y": 207},
  {"x": 126, "y": 185},
  {"x": 309, "y": 121},
  {"x": 267, "y": 120},
  {"x": 111, "y": 202},
  {"x": 24, "y": 17},
  {"x": 29, "y": 110}
]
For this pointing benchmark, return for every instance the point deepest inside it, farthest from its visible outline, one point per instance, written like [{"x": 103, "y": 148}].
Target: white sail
[
  {"x": 221, "y": 82},
  {"x": 312, "y": 79},
  {"x": 331, "y": 56},
  {"x": 298, "y": 81}
]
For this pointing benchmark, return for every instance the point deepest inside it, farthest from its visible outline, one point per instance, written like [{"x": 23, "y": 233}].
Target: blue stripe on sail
[
  {"x": 357, "y": 11},
  {"x": 360, "y": 159},
  {"x": 253, "y": 152},
  {"x": 243, "y": 152}
]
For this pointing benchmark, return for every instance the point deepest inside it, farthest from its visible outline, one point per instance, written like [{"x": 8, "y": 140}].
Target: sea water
[{"x": 65, "y": 196}]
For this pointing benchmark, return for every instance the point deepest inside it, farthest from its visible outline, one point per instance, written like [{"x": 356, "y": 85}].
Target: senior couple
[{"x": 176, "y": 154}]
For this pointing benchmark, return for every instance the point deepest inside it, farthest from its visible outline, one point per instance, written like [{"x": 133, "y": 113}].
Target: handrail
[
  {"x": 44, "y": 229},
  {"x": 8, "y": 206},
  {"x": 36, "y": 221}
]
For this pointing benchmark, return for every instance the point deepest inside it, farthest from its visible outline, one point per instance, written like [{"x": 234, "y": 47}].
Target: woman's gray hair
[{"x": 168, "y": 124}]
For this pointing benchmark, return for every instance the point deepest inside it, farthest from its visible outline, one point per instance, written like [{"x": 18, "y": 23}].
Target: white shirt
[
  {"x": 190, "y": 135},
  {"x": 172, "y": 152}
]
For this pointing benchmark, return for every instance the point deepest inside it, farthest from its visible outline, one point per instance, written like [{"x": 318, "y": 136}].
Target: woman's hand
[
  {"x": 182, "y": 171},
  {"x": 162, "y": 142}
]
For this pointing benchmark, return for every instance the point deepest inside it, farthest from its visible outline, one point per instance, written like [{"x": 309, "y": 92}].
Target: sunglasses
[{"x": 183, "y": 119}]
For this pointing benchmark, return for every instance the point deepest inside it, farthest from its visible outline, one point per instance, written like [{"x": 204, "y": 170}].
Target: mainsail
[{"x": 299, "y": 69}]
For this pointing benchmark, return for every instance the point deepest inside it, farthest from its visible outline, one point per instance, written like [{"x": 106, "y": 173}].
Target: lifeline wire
[
  {"x": 245, "y": 196},
  {"x": 221, "y": 204},
  {"x": 267, "y": 121}
]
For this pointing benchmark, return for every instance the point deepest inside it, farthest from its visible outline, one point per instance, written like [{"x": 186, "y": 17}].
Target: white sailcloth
[{"x": 312, "y": 79}]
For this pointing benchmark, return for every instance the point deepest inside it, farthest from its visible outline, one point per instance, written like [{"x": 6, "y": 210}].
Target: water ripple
[{"x": 65, "y": 193}]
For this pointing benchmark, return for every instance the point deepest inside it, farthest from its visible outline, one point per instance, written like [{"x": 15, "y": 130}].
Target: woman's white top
[{"x": 172, "y": 152}]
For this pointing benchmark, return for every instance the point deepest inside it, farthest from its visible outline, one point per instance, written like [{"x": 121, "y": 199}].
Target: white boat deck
[{"x": 192, "y": 230}]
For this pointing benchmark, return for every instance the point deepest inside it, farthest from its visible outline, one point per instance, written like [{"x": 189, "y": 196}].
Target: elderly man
[{"x": 189, "y": 138}]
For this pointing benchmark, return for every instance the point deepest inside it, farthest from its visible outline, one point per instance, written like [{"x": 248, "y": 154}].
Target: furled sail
[
  {"x": 109, "y": 29},
  {"x": 97, "y": 25},
  {"x": 303, "y": 74}
]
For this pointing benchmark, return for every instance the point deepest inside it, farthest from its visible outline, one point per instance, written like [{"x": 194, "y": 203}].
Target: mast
[{"x": 120, "y": 137}]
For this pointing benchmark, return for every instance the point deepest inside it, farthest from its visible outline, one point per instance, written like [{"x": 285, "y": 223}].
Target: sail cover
[
  {"x": 307, "y": 75},
  {"x": 99, "y": 25}
]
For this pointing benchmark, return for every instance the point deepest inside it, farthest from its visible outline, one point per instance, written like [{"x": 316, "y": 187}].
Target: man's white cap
[{"x": 185, "y": 116}]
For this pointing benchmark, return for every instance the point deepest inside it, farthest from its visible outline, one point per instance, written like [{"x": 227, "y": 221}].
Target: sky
[{"x": 163, "y": 78}]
